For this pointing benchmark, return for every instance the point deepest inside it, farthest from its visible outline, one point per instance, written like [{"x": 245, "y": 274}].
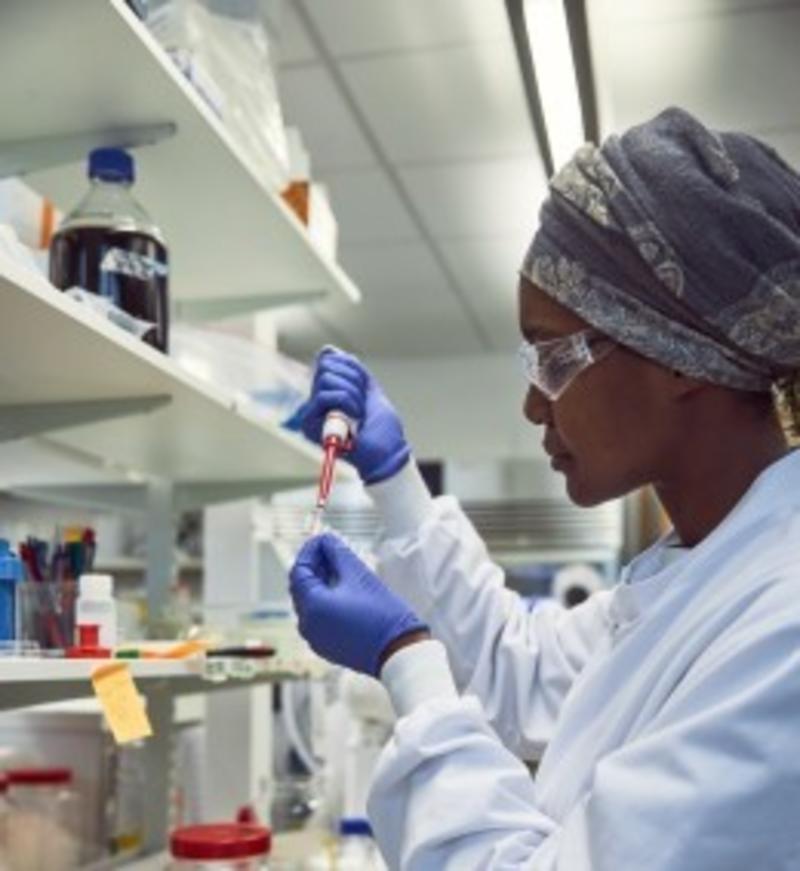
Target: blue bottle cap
[
  {"x": 355, "y": 826},
  {"x": 111, "y": 164},
  {"x": 10, "y": 563}
]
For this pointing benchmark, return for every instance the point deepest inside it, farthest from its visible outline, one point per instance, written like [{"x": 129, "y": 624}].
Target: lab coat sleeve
[
  {"x": 519, "y": 663},
  {"x": 710, "y": 783}
]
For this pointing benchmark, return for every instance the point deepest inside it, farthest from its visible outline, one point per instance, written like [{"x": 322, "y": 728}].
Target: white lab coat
[{"x": 670, "y": 705}]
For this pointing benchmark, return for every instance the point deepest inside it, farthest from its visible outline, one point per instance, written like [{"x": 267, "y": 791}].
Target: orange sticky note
[{"x": 125, "y": 712}]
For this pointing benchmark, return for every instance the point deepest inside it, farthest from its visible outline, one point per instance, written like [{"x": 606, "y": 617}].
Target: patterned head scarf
[{"x": 682, "y": 244}]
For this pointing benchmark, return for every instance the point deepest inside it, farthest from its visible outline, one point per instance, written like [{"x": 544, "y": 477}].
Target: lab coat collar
[{"x": 647, "y": 576}]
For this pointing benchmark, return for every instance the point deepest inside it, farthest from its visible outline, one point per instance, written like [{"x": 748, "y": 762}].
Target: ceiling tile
[
  {"x": 294, "y": 46},
  {"x": 457, "y": 103},
  {"x": 368, "y": 208},
  {"x": 658, "y": 10},
  {"x": 407, "y": 308},
  {"x": 488, "y": 198},
  {"x": 312, "y": 103},
  {"x": 379, "y": 27},
  {"x": 638, "y": 73},
  {"x": 487, "y": 271}
]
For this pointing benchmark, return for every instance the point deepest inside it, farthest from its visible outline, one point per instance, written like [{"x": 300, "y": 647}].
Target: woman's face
[{"x": 610, "y": 432}]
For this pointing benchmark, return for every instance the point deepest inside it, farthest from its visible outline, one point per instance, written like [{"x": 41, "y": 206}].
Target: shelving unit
[
  {"x": 90, "y": 415},
  {"x": 81, "y": 73},
  {"x": 27, "y": 681},
  {"x": 101, "y": 392},
  {"x": 131, "y": 565}
]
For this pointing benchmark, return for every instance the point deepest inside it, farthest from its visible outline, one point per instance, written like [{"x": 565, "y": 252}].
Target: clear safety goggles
[{"x": 551, "y": 366}]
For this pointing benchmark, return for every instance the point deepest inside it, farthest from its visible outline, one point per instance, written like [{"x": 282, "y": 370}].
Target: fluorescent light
[{"x": 554, "y": 67}]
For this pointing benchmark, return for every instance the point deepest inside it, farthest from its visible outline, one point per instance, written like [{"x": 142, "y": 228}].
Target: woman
[{"x": 660, "y": 304}]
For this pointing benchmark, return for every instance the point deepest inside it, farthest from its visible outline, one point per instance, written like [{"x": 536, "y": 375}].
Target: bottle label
[{"x": 133, "y": 265}]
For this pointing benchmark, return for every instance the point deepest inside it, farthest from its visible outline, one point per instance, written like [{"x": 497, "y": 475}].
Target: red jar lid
[
  {"x": 220, "y": 841},
  {"x": 39, "y": 776}
]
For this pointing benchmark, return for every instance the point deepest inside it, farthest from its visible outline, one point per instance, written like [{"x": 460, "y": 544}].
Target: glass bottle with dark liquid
[{"x": 109, "y": 245}]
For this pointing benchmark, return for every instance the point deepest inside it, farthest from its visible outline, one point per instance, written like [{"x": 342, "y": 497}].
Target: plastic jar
[
  {"x": 220, "y": 846},
  {"x": 357, "y": 851},
  {"x": 43, "y": 824}
]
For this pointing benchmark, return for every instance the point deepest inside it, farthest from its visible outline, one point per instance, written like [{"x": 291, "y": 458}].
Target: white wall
[
  {"x": 503, "y": 480},
  {"x": 462, "y": 408}
]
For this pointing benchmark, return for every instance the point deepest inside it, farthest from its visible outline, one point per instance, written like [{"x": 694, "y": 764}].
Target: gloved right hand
[{"x": 343, "y": 383}]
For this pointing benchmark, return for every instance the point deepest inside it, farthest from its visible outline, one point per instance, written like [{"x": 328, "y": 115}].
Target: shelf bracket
[
  {"x": 189, "y": 496},
  {"x": 218, "y": 309},
  {"x": 29, "y": 419},
  {"x": 23, "y": 156},
  {"x": 160, "y": 508},
  {"x": 127, "y": 498},
  {"x": 132, "y": 498}
]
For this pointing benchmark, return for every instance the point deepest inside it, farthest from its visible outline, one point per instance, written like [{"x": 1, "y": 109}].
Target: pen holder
[{"x": 47, "y": 613}]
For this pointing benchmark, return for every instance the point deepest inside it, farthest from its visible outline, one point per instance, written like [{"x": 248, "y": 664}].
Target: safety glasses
[{"x": 551, "y": 366}]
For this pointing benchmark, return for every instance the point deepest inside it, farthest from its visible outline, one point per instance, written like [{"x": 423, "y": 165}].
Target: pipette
[{"x": 336, "y": 439}]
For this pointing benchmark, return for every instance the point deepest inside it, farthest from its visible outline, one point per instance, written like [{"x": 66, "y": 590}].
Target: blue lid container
[
  {"x": 10, "y": 575},
  {"x": 355, "y": 826},
  {"x": 111, "y": 164}
]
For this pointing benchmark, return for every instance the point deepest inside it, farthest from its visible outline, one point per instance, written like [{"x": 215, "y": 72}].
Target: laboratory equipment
[
  {"x": 110, "y": 246},
  {"x": 575, "y": 582},
  {"x": 354, "y": 850},
  {"x": 44, "y": 832},
  {"x": 96, "y": 607},
  {"x": 10, "y": 576},
  {"x": 47, "y": 613},
  {"x": 220, "y": 846},
  {"x": 337, "y": 437}
]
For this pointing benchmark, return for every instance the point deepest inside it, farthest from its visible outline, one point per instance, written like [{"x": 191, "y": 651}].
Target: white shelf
[
  {"x": 138, "y": 565},
  {"x": 53, "y": 352},
  {"x": 77, "y": 66},
  {"x": 25, "y": 682}
]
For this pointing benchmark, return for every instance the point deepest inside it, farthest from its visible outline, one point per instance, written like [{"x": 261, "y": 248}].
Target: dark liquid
[{"x": 126, "y": 267}]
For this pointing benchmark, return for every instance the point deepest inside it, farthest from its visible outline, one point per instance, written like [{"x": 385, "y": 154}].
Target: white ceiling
[
  {"x": 415, "y": 118},
  {"x": 414, "y": 114},
  {"x": 734, "y": 63}
]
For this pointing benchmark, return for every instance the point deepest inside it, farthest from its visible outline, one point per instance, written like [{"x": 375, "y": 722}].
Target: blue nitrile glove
[
  {"x": 342, "y": 383},
  {"x": 345, "y": 612}
]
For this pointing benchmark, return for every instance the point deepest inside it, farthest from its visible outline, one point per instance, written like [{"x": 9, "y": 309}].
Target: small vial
[{"x": 96, "y": 607}]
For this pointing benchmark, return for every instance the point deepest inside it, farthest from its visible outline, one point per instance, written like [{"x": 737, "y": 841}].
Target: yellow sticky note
[{"x": 125, "y": 712}]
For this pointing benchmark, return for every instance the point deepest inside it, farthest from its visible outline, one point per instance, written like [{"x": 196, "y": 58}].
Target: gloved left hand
[{"x": 346, "y": 613}]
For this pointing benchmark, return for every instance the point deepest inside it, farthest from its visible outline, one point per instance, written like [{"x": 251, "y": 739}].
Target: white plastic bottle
[
  {"x": 357, "y": 851},
  {"x": 96, "y": 607}
]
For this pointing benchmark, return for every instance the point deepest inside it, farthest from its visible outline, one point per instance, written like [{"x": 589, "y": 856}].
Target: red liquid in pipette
[{"x": 331, "y": 448}]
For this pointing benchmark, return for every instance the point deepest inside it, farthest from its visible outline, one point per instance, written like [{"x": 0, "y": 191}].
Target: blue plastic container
[{"x": 10, "y": 576}]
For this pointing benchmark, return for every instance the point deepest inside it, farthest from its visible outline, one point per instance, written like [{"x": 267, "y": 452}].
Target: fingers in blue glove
[
  {"x": 314, "y": 563},
  {"x": 331, "y": 382},
  {"x": 340, "y": 384},
  {"x": 344, "y": 611},
  {"x": 333, "y": 358},
  {"x": 322, "y": 403}
]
